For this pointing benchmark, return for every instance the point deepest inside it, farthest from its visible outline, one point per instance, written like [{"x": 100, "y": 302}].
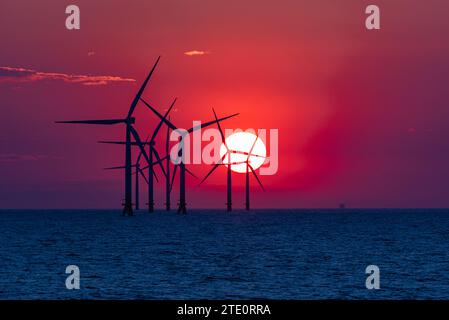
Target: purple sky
[{"x": 363, "y": 116}]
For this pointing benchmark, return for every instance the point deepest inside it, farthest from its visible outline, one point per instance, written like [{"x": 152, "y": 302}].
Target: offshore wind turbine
[
  {"x": 152, "y": 152},
  {"x": 247, "y": 176},
  {"x": 138, "y": 172},
  {"x": 130, "y": 131},
  {"x": 167, "y": 169},
  {"x": 229, "y": 175},
  {"x": 248, "y": 168},
  {"x": 182, "y": 208},
  {"x": 229, "y": 165}
]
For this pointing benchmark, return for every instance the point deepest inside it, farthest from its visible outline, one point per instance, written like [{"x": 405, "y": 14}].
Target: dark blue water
[{"x": 277, "y": 254}]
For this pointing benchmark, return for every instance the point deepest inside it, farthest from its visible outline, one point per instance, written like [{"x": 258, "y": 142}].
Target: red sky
[{"x": 362, "y": 115}]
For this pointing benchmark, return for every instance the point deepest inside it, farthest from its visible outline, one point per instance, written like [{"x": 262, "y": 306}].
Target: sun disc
[{"x": 242, "y": 142}]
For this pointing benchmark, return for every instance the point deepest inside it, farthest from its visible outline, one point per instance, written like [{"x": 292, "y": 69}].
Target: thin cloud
[
  {"x": 11, "y": 74},
  {"x": 14, "y": 157},
  {"x": 196, "y": 53}
]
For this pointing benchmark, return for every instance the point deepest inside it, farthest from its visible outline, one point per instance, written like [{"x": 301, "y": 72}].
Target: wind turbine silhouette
[
  {"x": 152, "y": 152},
  {"x": 130, "y": 131},
  {"x": 167, "y": 169},
  {"x": 248, "y": 168},
  {"x": 138, "y": 172},
  {"x": 229, "y": 176},
  {"x": 182, "y": 208},
  {"x": 229, "y": 168}
]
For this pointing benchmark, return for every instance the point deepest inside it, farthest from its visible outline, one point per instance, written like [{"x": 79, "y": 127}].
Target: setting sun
[{"x": 242, "y": 142}]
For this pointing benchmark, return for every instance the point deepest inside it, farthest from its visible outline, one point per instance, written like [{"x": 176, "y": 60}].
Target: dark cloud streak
[{"x": 12, "y": 74}]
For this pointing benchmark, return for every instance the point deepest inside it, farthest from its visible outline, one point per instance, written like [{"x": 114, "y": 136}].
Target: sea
[{"x": 213, "y": 254}]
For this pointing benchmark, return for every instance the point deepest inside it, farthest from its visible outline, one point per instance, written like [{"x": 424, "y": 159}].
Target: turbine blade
[
  {"x": 140, "y": 154},
  {"x": 112, "y": 142},
  {"x": 168, "y": 123},
  {"x": 139, "y": 143},
  {"x": 159, "y": 161},
  {"x": 142, "y": 88},
  {"x": 173, "y": 177},
  {"x": 117, "y": 167},
  {"x": 167, "y": 139},
  {"x": 257, "y": 178},
  {"x": 213, "y": 169},
  {"x": 209, "y": 173},
  {"x": 133, "y": 143},
  {"x": 155, "y": 163},
  {"x": 162, "y": 120},
  {"x": 154, "y": 173},
  {"x": 155, "y": 176},
  {"x": 254, "y": 143},
  {"x": 206, "y": 124},
  {"x": 143, "y": 176},
  {"x": 100, "y": 122},
  {"x": 246, "y": 153},
  {"x": 232, "y": 163},
  {"x": 221, "y": 131},
  {"x": 191, "y": 173}
]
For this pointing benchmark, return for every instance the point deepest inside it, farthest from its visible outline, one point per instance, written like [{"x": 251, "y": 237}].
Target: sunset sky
[{"x": 363, "y": 116}]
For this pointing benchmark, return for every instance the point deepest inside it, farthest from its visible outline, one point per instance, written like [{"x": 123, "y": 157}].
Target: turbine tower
[
  {"x": 140, "y": 169},
  {"x": 138, "y": 172},
  {"x": 229, "y": 165},
  {"x": 130, "y": 131},
  {"x": 248, "y": 168},
  {"x": 152, "y": 151},
  {"x": 182, "y": 208},
  {"x": 229, "y": 175},
  {"x": 247, "y": 176},
  {"x": 167, "y": 170}
]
